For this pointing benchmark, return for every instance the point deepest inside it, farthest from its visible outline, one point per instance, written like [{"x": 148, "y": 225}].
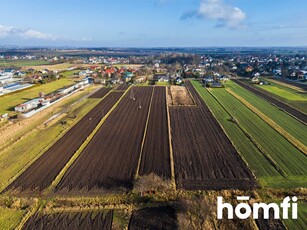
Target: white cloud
[
  {"x": 5, "y": 30},
  {"x": 225, "y": 14},
  {"x": 10, "y": 31}
]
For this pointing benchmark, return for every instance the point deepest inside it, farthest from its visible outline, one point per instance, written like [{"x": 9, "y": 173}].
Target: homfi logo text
[{"x": 244, "y": 210}]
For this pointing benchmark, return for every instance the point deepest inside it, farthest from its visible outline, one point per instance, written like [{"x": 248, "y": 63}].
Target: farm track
[
  {"x": 261, "y": 93},
  {"x": 71, "y": 220},
  {"x": 110, "y": 160},
  {"x": 156, "y": 151},
  {"x": 100, "y": 93},
  {"x": 203, "y": 155},
  {"x": 44, "y": 170}
]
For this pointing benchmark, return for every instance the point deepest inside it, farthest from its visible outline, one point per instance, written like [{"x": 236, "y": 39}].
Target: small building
[{"x": 24, "y": 107}]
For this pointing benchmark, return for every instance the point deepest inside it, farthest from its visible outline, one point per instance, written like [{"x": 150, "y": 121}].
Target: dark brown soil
[
  {"x": 71, "y": 221},
  {"x": 156, "y": 152},
  {"x": 270, "y": 224},
  {"x": 109, "y": 161},
  {"x": 122, "y": 87},
  {"x": 154, "y": 218},
  {"x": 100, "y": 93},
  {"x": 45, "y": 169},
  {"x": 203, "y": 155}
]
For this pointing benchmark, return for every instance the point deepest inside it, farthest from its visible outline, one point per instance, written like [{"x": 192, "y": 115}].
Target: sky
[{"x": 153, "y": 23}]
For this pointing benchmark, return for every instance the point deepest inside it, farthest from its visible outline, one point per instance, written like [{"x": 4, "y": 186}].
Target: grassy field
[
  {"x": 284, "y": 92},
  {"x": 301, "y": 222},
  {"x": 10, "y": 218},
  {"x": 287, "y": 122},
  {"x": 8, "y": 102},
  {"x": 19, "y": 156},
  {"x": 292, "y": 97},
  {"x": 285, "y": 157},
  {"x": 162, "y": 83},
  {"x": 70, "y": 73},
  {"x": 59, "y": 67},
  {"x": 21, "y": 63},
  {"x": 287, "y": 85}
]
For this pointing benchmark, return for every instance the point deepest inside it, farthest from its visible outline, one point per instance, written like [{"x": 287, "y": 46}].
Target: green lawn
[
  {"x": 287, "y": 122},
  {"x": 21, "y": 63},
  {"x": 287, "y": 158},
  {"x": 8, "y": 102},
  {"x": 10, "y": 218}
]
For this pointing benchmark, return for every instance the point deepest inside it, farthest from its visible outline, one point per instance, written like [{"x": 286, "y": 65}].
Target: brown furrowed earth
[
  {"x": 203, "y": 155},
  {"x": 100, "y": 93},
  {"x": 122, "y": 87},
  {"x": 156, "y": 152},
  {"x": 71, "y": 220},
  {"x": 163, "y": 217},
  {"x": 270, "y": 223},
  {"x": 45, "y": 169},
  {"x": 109, "y": 161},
  {"x": 264, "y": 94}
]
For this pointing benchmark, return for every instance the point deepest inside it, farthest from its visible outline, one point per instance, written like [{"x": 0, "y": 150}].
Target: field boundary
[
  {"x": 84, "y": 144},
  {"x": 296, "y": 143},
  {"x": 144, "y": 136},
  {"x": 255, "y": 143},
  {"x": 172, "y": 164},
  {"x": 28, "y": 215}
]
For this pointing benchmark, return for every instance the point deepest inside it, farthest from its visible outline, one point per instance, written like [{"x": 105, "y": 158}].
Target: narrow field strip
[
  {"x": 289, "y": 159},
  {"x": 101, "y": 93},
  {"x": 109, "y": 161},
  {"x": 172, "y": 163},
  {"x": 44, "y": 170},
  {"x": 155, "y": 153},
  {"x": 239, "y": 137},
  {"x": 293, "y": 87},
  {"x": 253, "y": 150},
  {"x": 275, "y": 126},
  {"x": 71, "y": 220},
  {"x": 144, "y": 136},
  {"x": 290, "y": 110},
  {"x": 204, "y": 156},
  {"x": 84, "y": 144},
  {"x": 290, "y": 124}
]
